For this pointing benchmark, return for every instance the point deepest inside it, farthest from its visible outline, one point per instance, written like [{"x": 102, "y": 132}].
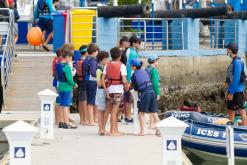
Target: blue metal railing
[{"x": 7, "y": 48}]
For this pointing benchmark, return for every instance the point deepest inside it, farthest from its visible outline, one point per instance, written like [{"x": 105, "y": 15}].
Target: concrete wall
[{"x": 191, "y": 70}]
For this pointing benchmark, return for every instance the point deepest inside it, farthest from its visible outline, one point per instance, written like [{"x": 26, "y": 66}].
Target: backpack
[
  {"x": 124, "y": 58},
  {"x": 43, "y": 8}
]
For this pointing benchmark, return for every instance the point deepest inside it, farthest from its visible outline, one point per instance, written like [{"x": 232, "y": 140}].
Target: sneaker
[
  {"x": 129, "y": 121},
  {"x": 61, "y": 125}
]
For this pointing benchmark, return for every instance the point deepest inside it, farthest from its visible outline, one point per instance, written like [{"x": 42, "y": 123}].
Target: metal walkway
[{"x": 31, "y": 74}]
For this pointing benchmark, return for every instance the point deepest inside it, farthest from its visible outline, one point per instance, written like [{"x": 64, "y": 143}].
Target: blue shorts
[
  {"x": 46, "y": 23},
  {"x": 91, "y": 87},
  {"x": 148, "y": 102},
  {"x": 58, "y": 98},
  {"x": 65, "y": 98}
]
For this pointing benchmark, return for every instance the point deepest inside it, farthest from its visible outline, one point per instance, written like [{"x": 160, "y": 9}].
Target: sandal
[
  {"x": 69, "y": 126},
  {"x": 46, "y": 48}
]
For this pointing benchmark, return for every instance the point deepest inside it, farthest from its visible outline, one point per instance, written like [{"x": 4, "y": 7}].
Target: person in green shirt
[
  {"x": 65, "y": 88},
  {"x": 154, "y": 75}
]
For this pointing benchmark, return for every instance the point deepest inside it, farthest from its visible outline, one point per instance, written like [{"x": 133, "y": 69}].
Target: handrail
[{"x": 8, "y": 48}]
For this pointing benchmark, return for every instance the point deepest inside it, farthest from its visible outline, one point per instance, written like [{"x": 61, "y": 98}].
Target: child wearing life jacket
[
  {"x": 154, "y": 75},
  {"x": 89, "y": 71},
  {"x": 65, "y": 87},
  {"x": 56, "y": 60},
  {"x": 142, "y": 83},
  {"x": 82, "y": 92},
  {"x": 115, "y": 73},
  {"x": 100, "y": 101}
]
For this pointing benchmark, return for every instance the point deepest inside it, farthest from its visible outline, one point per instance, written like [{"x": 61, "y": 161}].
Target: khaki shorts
[{"x": 115, "y": 98}]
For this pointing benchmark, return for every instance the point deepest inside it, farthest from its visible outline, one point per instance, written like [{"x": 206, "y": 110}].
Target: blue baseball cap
[
  {"x": 152, "y": 57},
  {"x": 135, "y": 62}
]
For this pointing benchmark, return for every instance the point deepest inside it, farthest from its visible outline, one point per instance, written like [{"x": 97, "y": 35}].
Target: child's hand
[
  {"x": 158, "y": 98},
  {"x": 107, "y": 96},
  {"x": 126, "y": 87},
  {"x": 76, "y": 86}
]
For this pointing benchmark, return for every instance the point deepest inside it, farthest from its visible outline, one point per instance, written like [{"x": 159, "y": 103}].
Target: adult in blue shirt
[
  {"x": 44, "y": 19},
  {"x": 235, "y": 80}
]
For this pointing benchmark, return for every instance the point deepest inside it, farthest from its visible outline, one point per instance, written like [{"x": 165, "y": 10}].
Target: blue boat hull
[{"x": 211, "y": 138}]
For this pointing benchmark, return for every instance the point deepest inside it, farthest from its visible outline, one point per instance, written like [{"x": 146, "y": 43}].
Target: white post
[
  {"x": 47, "y": 98},
  {"x": 115, "y": 2},
  {"x": 172, "y": 130},
  {"x": 20, "y": 135},
  {"x": 180, "y": 4},
  {"x": 230, "y": 145}
]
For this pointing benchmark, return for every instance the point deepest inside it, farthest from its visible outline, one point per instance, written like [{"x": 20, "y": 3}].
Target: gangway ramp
[{"x": 31, "y": 73}]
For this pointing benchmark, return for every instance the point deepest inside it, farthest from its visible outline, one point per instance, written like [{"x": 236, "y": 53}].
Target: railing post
[{"x": 145, "y": 34}]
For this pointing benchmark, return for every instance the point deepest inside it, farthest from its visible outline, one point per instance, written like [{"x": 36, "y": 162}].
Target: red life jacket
[
  {"x": 113, "y": 73},
  {"x": 79, "y": 70}
]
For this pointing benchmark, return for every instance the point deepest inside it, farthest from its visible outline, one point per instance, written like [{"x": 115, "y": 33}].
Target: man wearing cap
[{"x": 235, "y": 80}]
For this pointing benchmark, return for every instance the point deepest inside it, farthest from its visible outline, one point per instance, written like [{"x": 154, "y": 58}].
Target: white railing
[
  {"x": 156, "y": 34},
  {"x": 7, "y": 47}
]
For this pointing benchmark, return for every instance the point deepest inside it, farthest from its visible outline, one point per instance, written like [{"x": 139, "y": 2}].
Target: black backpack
[{"x": 123, "y": 56}]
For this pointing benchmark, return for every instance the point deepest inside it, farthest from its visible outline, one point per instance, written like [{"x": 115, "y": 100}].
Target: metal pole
[
  {"x": 169, "y": 5},
  {"x": 180, "y": 4},
  {"x": 115, "y": 2},
  {"x": 230, "y": 145},
  {"x": 145, "y": 35},
  {"x": 153, "y": 24},
  {"x": 139, "y": 22}
]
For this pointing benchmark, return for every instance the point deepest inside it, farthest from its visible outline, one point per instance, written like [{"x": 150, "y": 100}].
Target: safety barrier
[
  {"x": 7, "y": 48},
  {"x": 156, "y": 34}
]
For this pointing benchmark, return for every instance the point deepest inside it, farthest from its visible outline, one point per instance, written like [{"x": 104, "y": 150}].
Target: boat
[
  {"x": 208, "y": 141},
  {"x": 205, "y": 117}
]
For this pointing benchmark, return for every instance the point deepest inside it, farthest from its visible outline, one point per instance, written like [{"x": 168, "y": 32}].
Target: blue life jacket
[
  {"x": 230, "y": 72},
  {"x": 89, "y": 68},
  {"x": 143, "y": 80},
  {"x": 60, "y": 74}
]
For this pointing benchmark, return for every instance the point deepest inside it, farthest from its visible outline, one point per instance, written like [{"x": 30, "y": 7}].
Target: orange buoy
[{"x": 34, "y": 36}]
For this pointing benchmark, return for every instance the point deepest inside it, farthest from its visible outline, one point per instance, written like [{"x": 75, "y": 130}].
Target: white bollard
[
  {"x": 230, "y": 145},
  {"x": 20, "y": 135},
  {"x": 172, "y": 130},
  {"x": 47, "y": 98},
  {"x": 136, "y": 115}
]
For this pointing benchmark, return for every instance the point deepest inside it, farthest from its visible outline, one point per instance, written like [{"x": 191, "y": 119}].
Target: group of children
[{"x": 104, "y": 84}]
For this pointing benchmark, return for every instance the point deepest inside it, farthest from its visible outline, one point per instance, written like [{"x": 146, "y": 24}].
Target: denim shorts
[{"x": 65, "y": 98}]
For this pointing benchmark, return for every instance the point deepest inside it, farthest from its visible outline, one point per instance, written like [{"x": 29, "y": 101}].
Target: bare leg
[
  {"x": 57, "y": 114},
  {"x": 242, "y": 113},
  {"x": 85, "y": 114},
  {"x": 151, "y": 122},
  {"x": 16, "y": 38},
  {"x": 141, "y": 117},
  {"x": 50, "y": 36},
  {"x": 80, "y": 108},
  {"x": 128, "y": 110},
  {"x": 60, "y": 114},
  {"x": 90, "y": 115},
  {"x": 231, "y": 114},
  {"x": 95, "y": 113},
  {"x": 114, "y": 128},
  {"x": 66, "y": 114},
  {"x": 43, "y": 37},
  {"x": 101, "y": 123},
  {"x": 107, "y": 112}
]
